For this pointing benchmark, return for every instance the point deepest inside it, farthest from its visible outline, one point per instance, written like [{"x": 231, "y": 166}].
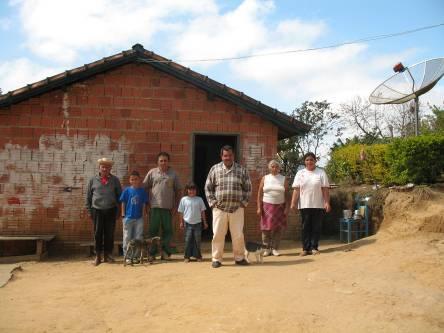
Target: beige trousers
[{"x": 221, "y": 222}]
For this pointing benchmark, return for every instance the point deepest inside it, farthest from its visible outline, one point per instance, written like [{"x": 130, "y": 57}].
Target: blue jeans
[
  {"x": 132, "y": 229},
  {"x": 193, "y": 236}
]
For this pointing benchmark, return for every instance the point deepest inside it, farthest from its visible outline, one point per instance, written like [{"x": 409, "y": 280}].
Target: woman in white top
[
  {"x": 272, "y": 206},
  {"x": 311, "y": 190}
]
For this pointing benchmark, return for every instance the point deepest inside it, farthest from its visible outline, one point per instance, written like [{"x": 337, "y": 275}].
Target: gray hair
[{"x": 274, "y": 162}]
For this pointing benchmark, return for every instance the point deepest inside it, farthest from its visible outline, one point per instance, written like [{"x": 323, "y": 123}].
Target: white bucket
[{"x": 347, "y": 213}]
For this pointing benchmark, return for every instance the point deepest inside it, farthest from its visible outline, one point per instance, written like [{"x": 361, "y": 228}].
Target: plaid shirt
[{"x": 228, "y": 189}]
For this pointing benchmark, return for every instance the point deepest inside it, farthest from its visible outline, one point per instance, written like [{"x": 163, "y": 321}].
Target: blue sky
[{"x": 41, "y": 38}]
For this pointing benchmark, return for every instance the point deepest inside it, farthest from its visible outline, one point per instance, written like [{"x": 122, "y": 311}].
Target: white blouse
[
  {"x": 310, "y": 184},
  {"x": 274, "y": 189}
]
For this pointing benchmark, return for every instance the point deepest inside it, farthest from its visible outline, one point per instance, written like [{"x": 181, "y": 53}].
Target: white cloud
[
  {"x": 215, "y": 35},
  {"x": 60, "y": 30},
  {"x": 17, "y": 73}
]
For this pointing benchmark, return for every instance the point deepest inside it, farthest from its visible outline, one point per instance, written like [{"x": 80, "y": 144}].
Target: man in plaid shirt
[{"x": 228, "y": 189}]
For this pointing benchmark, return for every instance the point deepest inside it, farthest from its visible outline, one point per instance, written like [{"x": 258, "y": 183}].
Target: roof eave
[{"x": 287, "y": 126}]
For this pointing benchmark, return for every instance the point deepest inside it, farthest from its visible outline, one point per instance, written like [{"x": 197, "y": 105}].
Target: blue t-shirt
[
  {"x": 191, "y": 207},
  {"x": 134, "y": 199}
]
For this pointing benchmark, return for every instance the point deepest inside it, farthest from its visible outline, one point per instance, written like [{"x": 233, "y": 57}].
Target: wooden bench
[
  {"x": 90, "y": 245},
  {"x": 40, "y": 252}
]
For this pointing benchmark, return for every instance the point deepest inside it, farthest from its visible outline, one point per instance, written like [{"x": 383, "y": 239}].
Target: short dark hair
[
  {"x": 309, "y": 154},
  {"x": 135, "y": 173},
  {"x": 226, "y": 148},
  {"x": 189, "y": 186},
  {"x": 163, "y": 153}
]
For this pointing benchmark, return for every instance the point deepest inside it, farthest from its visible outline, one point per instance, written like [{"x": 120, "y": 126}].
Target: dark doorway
[{"x": 206, "y": 154}]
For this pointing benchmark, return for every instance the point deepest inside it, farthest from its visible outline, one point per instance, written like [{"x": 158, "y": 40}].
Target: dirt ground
[{"x": 390, "y": 282}]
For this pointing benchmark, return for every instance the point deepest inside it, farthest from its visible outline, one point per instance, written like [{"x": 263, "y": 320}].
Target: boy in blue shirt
[{"x": 133, "y": 200}]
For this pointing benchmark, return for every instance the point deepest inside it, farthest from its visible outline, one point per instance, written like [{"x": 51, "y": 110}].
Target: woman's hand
[
  {"x": 286, "y": 210},
  {"x": 181, "y": 225},
  {"x": 327, "y": 207},
  {"x": 259, "y": 211}
]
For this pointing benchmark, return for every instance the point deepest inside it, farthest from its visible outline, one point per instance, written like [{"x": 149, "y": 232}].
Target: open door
[{"x": 207, "y": 153}]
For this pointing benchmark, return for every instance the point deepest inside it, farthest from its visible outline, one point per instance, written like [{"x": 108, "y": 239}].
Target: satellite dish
[{"x": 409, "y": 83}]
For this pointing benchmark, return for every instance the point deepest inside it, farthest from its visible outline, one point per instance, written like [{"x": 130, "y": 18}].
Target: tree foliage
[
  {"x": 433, "y": 123},
  {"x": 323, "y": 122}
]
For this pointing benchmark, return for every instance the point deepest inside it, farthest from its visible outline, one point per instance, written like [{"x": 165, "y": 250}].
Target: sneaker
[
  {"x": 267, "y": 253},
  {"x": 275, "y": 253},
  {"x": 128, "y": 261},
  {"x": 242, "y": 262},
  {"x": 166, "y": 257},
  {"x": 97, "y": 261},
  {"x": 303, "y": 253},
  {"x": 151, "y": 259},
  {"x": 108, "y": 258},
  {"x": 315, "y": 252},
  {"x": 187, "y": 260},
  {"x": 216, "y": 264}
]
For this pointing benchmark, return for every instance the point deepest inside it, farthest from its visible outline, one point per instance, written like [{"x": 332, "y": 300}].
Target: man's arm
[
  {"x": 147, "y": 181},
  {"x": 210, "y": 189},
  {"x": 246, "y": 188},
  {"x": 89, "y": 194},
  {"x": 177, "y": 192}
]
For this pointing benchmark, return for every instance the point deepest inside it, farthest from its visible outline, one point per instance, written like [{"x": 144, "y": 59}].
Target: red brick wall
[{"x": 49, "y": 145}]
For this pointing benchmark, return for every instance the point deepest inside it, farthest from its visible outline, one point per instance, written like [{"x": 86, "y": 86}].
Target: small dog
[
  {"x": 134, "y": 252},
  {"x": 149, "y": 243},
  {"x": 136, "y": 248},
  {"x": 257, "y": 248}
]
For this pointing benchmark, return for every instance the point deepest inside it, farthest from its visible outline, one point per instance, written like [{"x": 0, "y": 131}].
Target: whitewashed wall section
[
  {"x": 50, "y": 182},
  {"x": 254, "y": 158}
]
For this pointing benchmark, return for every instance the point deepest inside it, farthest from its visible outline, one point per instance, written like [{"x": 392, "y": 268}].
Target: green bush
[
  {"x": 346, "y": 164},
  {"x": 405, "y": 160},
  {"x": 416, "y": 159}
]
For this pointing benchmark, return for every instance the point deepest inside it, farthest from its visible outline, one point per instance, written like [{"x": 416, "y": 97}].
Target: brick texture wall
[{"x": 49, "y": 146}]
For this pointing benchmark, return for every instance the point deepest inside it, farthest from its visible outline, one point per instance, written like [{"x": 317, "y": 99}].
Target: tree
[
  {"x": 435, "y": 122},
  {"x": 376, "y": 122},
  {"x": 360, "y": 115},
  {"x": 323, "y": 122}
]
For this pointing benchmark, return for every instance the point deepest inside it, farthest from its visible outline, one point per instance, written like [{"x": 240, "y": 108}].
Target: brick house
[{"x": 126, "y": 107}]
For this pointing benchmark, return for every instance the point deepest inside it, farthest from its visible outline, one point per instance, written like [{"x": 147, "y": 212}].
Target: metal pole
[
  {"x": 416, "y": 116},
  {"x": 416, "y": 104}
]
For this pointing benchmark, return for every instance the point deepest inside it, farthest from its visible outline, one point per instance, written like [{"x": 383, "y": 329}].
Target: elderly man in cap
[{"x": 102, "y": 202}]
